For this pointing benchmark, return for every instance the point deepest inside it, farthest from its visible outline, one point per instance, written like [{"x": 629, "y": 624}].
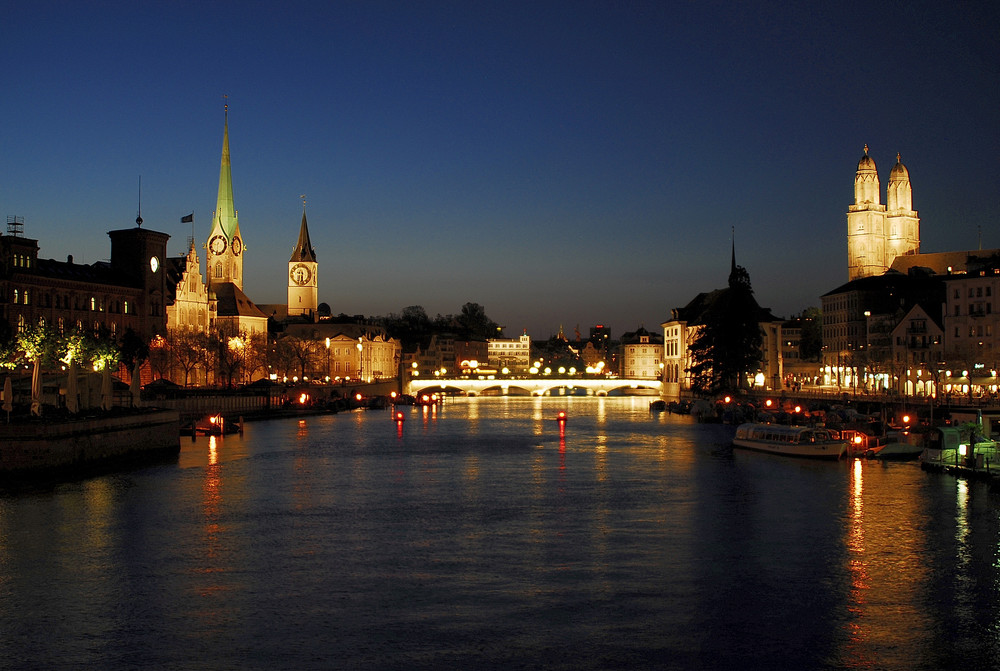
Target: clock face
[
  {"x": 154, "y": 263},
  {"x": 237, "y": 246},
  {"x": 217, "y": 245},
  {"x": 300, "y": 274}
]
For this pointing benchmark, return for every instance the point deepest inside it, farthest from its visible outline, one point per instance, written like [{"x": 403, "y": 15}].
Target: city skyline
[{"x": 560, "y": 164}]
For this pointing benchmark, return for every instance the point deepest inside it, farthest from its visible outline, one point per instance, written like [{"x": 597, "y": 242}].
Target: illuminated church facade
[{"x": 877, "y": 233}]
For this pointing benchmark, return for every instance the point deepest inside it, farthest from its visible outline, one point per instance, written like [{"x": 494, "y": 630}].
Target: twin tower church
[{"x": 219, "y": 299}]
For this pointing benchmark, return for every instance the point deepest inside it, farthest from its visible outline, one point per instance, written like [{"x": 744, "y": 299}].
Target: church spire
[
  {"x": 225, "y": 211},
  {"x": 304, "y": 250}
]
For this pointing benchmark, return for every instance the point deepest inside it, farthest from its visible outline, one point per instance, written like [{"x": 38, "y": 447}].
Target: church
[
  {"x": 210, "y": 300},
  {"x": 876, "y": 233}
]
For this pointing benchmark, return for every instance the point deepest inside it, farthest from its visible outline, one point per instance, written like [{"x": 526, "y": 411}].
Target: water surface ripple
[{"x": 476, "y": 536}]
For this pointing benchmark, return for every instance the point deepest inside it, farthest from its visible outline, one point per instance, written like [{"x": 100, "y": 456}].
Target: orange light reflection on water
[{"x": 885, "y": 542}]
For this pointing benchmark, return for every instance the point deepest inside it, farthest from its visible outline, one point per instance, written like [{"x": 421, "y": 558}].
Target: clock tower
[
  {"x": 137, "y": 256},
  {"x": 225, "y": 243},
  {"x": 302, "y": 285}
]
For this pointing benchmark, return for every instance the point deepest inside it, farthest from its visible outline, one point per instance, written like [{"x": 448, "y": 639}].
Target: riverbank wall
[{"x": 44, "y": 446}]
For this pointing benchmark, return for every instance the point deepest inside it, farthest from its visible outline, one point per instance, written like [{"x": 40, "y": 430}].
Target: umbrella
[
  {"x": 135, "y": 386},
  {"x": 8, "y": 397},
  {"x": 107, "y": 395},
  {"x": 36, "y": 389},
  {"x": 72, "y": 398}
]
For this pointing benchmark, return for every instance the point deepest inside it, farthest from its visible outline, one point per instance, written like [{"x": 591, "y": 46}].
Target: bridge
[{"x": 528, "y": 386}]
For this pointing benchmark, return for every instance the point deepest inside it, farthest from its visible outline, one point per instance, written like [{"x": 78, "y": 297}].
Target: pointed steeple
[
  {"x": 304, "y": 250},
  {"x": 225, "y": 211},
  {"x": 732, "y": 267}
]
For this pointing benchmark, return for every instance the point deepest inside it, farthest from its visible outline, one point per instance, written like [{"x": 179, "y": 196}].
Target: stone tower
[
  {"x": 303, "y": 298},
  {"x": 225, "y": 244},
  {"x": 877, "y": 233}
]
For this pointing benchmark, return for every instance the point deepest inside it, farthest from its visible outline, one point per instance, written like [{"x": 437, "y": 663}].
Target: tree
[
  {"x": 188, "y": 350},
  {"x": 474, "y": 324},
  {"x": 728, "y": 343},
  {"x": 811, "y": 342}
]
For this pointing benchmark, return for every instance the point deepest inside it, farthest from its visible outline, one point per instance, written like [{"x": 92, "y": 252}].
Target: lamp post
[
  {"x": 328, "y": 371},
  {"x": 360, "y": 361}
]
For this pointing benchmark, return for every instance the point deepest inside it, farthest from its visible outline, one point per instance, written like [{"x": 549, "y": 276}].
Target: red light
[
  {"x": 358, "y": 396},
  {"x": 798, "y": 408},
  {"x": 400, "y": 417},
  {"x": 561, "y": 416},
  {"x": 768, "y": 403},
  {"x": 728, "y": 399},
  {"x": 906, "y": 419}
]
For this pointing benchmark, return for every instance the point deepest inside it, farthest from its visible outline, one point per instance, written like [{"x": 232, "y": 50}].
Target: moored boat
[{"x": 796, "y": 441}]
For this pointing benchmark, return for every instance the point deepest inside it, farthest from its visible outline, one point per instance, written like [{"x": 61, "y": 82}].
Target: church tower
[
  {"x": 225, "y": 244},
  {"x": 902, "y": 223},
  {"x": 876, "y": 233},
  {"x": 866, "y": 224},
  {"x": 303, "y": 298}
]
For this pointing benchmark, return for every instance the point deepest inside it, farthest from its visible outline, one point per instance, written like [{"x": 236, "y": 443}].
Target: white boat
[{"x": 795, "y": 441}]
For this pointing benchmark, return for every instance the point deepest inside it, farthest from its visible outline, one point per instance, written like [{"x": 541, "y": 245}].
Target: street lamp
[
  {"x": 361, "y": 361},
  {"x": 328, "y": 371}
]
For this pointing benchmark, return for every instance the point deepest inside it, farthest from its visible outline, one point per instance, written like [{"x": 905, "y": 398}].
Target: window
[
  {"x": 17, "y": 296},
  {"x": 93, "y": 304},
  {"x": 957, "y": 310}
]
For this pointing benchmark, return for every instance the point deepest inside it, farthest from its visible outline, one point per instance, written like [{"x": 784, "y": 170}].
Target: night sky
[{"x": 559, "y": 163}]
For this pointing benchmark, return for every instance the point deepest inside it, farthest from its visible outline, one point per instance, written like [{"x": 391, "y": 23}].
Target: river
[{"x": 477, "y": 535}]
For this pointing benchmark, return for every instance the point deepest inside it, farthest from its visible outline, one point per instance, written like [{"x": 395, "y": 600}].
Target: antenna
[{"x": 138, "y": 216}]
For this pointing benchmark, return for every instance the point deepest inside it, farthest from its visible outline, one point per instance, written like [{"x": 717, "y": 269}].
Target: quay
[{"x": 47, "y": 446}]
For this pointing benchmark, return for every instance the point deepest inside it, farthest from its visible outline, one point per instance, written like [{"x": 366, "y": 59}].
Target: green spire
[{"x": 225, "y": 211}]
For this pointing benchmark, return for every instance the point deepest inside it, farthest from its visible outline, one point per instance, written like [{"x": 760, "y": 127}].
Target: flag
[{"x": 189, "y": 219}]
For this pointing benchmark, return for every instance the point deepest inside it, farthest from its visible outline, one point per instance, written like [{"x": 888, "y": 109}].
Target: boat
[{"x": 796, "y": 441}]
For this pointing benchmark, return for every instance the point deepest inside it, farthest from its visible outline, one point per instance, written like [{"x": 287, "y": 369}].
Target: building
[
  {"x": 876, "y": 233},
  {"x": 225, "y": 244},
  {"x": 971, "y": 326},
  {"x": 128, "y": 292},
  {"x": 681, "y": 330},
  {"x": 189, "y": 308},
  {"x": 642, "y": 355},
  {"x": 859, "y": 318},
  {"x": 438, "y": 355},
  {"x": 341, "y": 352},
  {"x": 514, "y": 354},
  {"x": 303, "y": 287},
  {"x": 917, "y": 352}
]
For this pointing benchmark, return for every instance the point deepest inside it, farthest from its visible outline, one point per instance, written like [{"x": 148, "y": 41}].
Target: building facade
[
  {"x": 129, "y": 292},
  {"x": 303, "y": 287},
  {"x": 513, "y": 354},
  {"x": 642, "y": 355},
  {"x": 877, "y": 233}
]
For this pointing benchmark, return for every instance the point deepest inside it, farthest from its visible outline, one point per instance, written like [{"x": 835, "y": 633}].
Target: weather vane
[{"x": 303, "y": 197}]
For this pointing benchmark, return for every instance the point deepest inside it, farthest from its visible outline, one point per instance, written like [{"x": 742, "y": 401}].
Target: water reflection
[
  {"x": 886, "y": 544},
  {"x": 483, "y": 537}
]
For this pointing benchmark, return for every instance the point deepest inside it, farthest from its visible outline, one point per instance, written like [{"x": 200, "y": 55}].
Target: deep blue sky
[{"x": 558, "y": 163}]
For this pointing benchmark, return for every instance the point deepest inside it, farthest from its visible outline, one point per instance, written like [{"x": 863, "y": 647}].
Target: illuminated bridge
[{"x": 533, "y": 386}]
